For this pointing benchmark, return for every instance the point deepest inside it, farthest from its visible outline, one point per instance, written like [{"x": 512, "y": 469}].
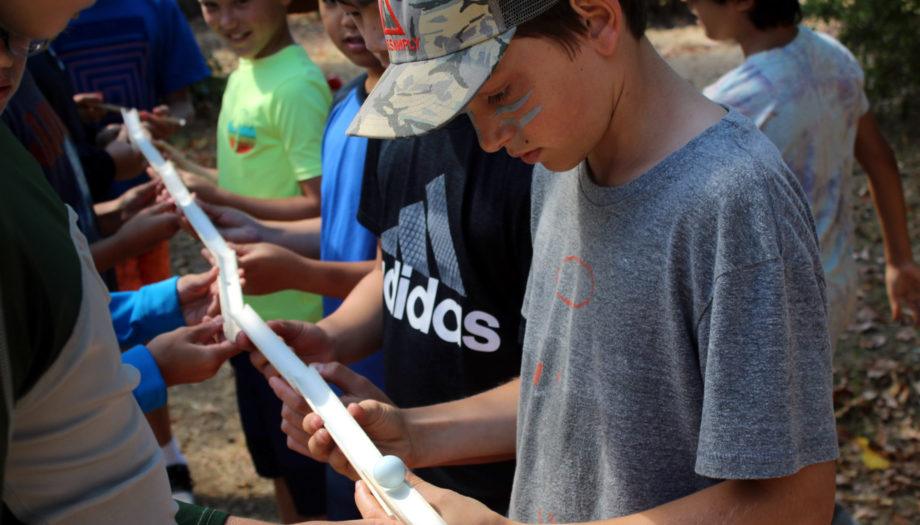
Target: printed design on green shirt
[{"x": 242, "y": 137}]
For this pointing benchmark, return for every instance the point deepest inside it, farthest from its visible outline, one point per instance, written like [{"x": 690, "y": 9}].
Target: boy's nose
[
  {"x": 227, "y": 18},
  {"x": 349, "y": 22},
  {"x": 493, "y": 135}
]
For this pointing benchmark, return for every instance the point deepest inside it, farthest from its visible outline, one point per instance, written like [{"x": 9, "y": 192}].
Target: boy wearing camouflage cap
[
  {"x": 676, "y": 362},
  {"x": 454, "y": 228}
]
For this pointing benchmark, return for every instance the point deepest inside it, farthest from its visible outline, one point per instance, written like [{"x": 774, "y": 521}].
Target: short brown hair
[
  {"x": 562, "y": 25},
  {"x": 773, "y": 13}
]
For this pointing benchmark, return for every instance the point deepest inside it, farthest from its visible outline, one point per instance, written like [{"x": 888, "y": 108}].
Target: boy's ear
[{"x": 604, "y": 20}]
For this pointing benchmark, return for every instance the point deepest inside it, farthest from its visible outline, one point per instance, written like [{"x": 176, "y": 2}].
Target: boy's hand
[
  {"x": 308, "y": 341},
  {"x": 189, "y": 355},
  {"x": 265, "y": 266},
  {"x": 88, "y": 106},
  {"x": 129, "y": 161},
  {"x": 453, "y": 508},
  {"x": 903, "y": 284},
  {"x": 200, "y": 186},
  {"x": 137, "y": 198},
  {"x": 354, "y": 386},
  {"x": 198, "y": 296},
  {"x": 149, "y": 227},
  {"x": 233, "y": 225},
  {"x": 383, "y": 423},
  {"x": 369, "y": 507},
  {"x": 155, "y": 120}
]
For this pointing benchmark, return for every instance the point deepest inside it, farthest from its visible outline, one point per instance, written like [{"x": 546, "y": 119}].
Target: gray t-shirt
[{"x": 676, "y": 332}]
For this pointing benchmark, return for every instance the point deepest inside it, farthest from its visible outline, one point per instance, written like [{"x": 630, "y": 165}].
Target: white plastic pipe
[
  {"x": 229, "y": 289},
  {"x": 400, "y": 499},
  {"x": 382, "y": 474}
]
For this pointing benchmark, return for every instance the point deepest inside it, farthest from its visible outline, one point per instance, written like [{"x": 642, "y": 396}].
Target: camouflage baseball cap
[{"x": 441, "y": 53}]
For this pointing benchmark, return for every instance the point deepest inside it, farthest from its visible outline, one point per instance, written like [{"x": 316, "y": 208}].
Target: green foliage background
[{"x": 885, "y": 37}]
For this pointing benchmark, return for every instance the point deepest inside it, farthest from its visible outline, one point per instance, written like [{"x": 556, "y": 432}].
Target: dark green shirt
[
  {"x": 39, "y": 274},
  {"x": 40, "y": 291}
]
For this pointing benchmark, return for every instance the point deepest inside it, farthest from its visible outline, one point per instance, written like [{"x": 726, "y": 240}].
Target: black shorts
[{"x": 260, "y": 414}]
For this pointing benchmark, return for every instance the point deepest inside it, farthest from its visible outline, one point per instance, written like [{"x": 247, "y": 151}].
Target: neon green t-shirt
[{"x": 269, "y": 138}]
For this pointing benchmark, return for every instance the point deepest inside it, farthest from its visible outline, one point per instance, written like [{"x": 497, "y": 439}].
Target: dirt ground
[{"x": 877, "y": 369}]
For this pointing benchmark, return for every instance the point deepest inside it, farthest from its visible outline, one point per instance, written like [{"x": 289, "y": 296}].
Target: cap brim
[{"x": 415, "y": 98}]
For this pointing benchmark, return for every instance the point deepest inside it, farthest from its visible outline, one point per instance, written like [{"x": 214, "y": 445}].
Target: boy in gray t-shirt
[
  {"x": 676, "y": 359},
  {"x": 666, "y": 317}
]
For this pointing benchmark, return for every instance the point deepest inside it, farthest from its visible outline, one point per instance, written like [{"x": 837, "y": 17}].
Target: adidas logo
[{"x": 419, "y": 306}]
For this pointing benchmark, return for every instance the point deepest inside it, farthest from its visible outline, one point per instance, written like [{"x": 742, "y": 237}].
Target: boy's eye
[{"x": 497, "y": 98}]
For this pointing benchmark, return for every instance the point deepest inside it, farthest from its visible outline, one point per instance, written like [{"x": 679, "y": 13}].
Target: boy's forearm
[
  {"x": 279, "y": 209},
  {"x": 804, "y": 498},
  {"x": 110, "y": 251},
  {"x": 331, "y": 278},
  {"x": 301, "y": 237},
  {"x": 478, "y": 429},
  {"x": 108, "y": 216},
  {"x": 877, "y": 159},
  {"x": 356, "y": 327}
]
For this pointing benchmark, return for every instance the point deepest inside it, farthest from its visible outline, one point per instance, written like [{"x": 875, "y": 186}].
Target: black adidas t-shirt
[{"x": 454, "y": 224}]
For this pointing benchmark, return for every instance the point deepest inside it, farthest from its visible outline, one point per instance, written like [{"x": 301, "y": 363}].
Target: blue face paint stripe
[
  {"x": 530, "y": 116},
  {"x": 513, "y": 107},
  {"x": 519, "y": 124}
]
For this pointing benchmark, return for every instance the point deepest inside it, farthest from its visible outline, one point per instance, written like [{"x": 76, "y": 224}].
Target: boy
[
  {"x": 453, "y": 225},
  {"x": 67, "y": 418},
  {"x": 676, "y": 363},
  {"x": 34, "y": 122},
  {"x": 269, "y": 136},
  {"x": 342, "y": 237},
  {"x": 143, "y": 55},
  {"x": 804, "y": 90}
]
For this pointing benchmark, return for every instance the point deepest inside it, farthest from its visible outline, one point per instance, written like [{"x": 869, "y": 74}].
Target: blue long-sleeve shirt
[{"x": 138, "y": 317}]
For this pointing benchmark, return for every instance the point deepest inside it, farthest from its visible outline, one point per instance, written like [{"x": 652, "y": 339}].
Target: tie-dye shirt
[{"x": 808, "y": 97}]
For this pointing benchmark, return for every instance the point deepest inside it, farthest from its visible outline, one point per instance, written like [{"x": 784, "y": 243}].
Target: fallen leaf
[
  {"x": 870, "y": 458},
  {"x": 906, "y": 335},
  {"x": 861, "y": 328},
  {"x": 867, "y": 314},
  {"x": 869, "y": 395},
  {"x": 876, "y": 341},
  {"x": 909, "y": 432}
]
